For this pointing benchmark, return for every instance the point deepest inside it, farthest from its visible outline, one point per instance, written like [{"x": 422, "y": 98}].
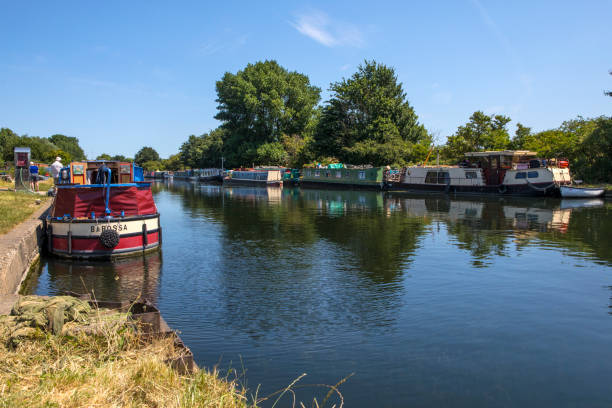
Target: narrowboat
[
  {"x": 508, "y": 172},
  {"x": 208, "y": 175},
  {"x": 254, "y": 177},
  {"x": 183, "y": 174},
  {"x": 102, "y": 209},
  {"x": 341, "y": 176}
]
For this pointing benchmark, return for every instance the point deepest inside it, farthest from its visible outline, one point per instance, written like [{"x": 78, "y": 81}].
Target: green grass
[{"x": 16, "y": 207}]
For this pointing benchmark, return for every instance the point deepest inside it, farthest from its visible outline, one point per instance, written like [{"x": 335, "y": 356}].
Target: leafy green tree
[
  {"x": 521, "y": 135},
  {"x": 203, "y": 151},
  {"x": 69, "y": 144},
  {"x": 369, "y": 120},
  {"x": 50, "y": 155},
  {"x": 120, "y": 157},
  {"x": 146, "y": 154},
  {"x": 153, "y": 165},
  {"x": 258, "y": 105},
  {"x": 173, "y": 162},
  {"x": 104, "y": 156},
  {"x": 272, "y": 153},
  {"x": 8, "y": 142},
  {"x": 593, "y": 159},
  {"x": 482, "y": 132},
  {"x": 609, "y": 93}
]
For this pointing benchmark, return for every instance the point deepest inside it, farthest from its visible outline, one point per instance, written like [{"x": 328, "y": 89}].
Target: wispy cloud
[
  {"x": 331, "y": 33},
  {"x": 215, "y": 46}
]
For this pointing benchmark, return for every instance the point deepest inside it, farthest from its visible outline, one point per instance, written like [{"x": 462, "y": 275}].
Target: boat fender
[
  {"x": 109, "y": 238},
  {"x": 502, "y": 189}
]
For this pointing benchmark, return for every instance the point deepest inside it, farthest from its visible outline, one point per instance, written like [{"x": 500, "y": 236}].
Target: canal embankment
[{"x": 20, "y": 248}]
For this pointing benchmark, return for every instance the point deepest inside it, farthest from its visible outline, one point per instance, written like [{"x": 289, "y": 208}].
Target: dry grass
[
  {"x": 113, "y": 368},
  {"x": 16, "y": 207},
  {"x": 104, "y": 362}
]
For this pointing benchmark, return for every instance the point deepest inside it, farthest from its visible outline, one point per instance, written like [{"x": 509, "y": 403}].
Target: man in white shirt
[{"x": 55, "y": 169}]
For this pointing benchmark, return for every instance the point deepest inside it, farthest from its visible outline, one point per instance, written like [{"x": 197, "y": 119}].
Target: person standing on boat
[
  {"x": 56, "y": 167},
  {"x": 33, "y": 176}
]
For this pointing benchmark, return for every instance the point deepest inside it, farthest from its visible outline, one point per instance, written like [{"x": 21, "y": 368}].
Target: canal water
[{"x": 425, "y": 300}]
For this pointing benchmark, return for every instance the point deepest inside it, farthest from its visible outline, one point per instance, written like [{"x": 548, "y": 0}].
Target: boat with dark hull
[
  {"x": 506, "y": 172},
  {"x": 113, "y": 216},
  {"x": 341, "y": 176}
]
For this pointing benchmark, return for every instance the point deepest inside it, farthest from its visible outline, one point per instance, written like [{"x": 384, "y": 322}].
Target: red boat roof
[{"x": 80, "y": 201}]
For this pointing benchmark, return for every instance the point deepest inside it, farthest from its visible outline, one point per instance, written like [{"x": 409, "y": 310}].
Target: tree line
[
  {"x": 272, "y": 116},
  {"x": 42, "y": 149}
]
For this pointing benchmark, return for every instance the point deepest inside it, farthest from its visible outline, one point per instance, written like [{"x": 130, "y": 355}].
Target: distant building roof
[{"x": 501, "y": 153}]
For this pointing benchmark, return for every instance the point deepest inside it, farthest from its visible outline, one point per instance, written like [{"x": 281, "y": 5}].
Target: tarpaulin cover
[{"x": 80, "y": 202}]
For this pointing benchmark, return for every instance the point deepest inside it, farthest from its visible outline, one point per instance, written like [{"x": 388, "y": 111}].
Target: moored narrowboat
[
  {"x": 507, "y": 172},
  {"x": 208, "y": 175},
  {"x": 102, "y": 209},
  {"x": 341, "y": 176},
  {"x": 254, "y": 177}
]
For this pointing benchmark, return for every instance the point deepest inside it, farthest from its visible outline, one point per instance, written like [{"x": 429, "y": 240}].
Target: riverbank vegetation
[
  {"x": 94, "y": 358},
  {"x": 15, "y": 207},
  {"x": 272, "y": 116}
]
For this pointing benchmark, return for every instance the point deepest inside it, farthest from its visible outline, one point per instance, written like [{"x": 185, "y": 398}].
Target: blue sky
[{"x": 122, "y": 75}]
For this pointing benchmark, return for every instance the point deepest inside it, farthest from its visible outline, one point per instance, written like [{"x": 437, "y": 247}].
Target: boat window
[
  {"x": 431, "y": 177},
  {"x": 443, "y": 177},
  {"x": 520, "y": 175},
  {"x": 327, "y": 174},
  {"x": 317, "y": 173},
  {"x": 362, "y": 175},
  {"x": 470, "y": 175},
  {"x": 347, "y": 174},
  {"x": 532, "y": 174},
  {"x": 338, "y": 174}
]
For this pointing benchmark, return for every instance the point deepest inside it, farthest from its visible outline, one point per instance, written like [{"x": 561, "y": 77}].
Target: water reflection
[
  {"x": 122, "y": 279},
  {"x": 388, "y": 286}
]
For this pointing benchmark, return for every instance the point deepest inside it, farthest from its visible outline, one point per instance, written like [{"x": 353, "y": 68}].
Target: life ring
[{"x": 109, "y": 238}]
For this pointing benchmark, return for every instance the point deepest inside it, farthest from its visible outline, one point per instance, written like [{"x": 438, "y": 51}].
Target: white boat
[{"x": 580, "y": 192}]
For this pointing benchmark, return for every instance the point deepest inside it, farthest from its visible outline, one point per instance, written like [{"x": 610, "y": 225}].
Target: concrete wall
[{"x": 19, "y": 248}]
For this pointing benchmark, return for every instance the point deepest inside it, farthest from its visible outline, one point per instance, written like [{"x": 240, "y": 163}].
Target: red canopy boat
[{"x": 113, "y": 216}]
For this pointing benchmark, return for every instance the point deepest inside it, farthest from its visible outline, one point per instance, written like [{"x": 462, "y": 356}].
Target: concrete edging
[{"x": 20, "y": 248}]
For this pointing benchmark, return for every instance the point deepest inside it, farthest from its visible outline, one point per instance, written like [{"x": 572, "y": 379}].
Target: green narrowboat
[{"x": 339, "y": 176}]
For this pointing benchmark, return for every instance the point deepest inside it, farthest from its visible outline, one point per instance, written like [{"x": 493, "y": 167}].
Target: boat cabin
[
  {"x": 496, "y": 163},
  {"x": 86, "y": 172}
]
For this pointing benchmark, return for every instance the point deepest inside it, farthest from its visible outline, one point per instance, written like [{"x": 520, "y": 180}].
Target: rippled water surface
[{"x": 427, "y": 300}]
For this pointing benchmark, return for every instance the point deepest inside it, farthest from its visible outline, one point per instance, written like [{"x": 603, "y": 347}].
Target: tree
[
  {"x": 104, "y": 156},
  {"x": 609, "y": 93},
  {"x": 69, "y": 144},
  {"x": 203, "y": 151},
  {"x": 146, "y": 154},
  {"x": 521, "y": 135},
  {"x": 260, "y": 104},
  {"x": 369, "y": 120},
  {"x": 594, "y": 161},
  {"x": 8, "y": 142},
  {"x": 482, "y": 132},
  {"x": 152, "y": 165},
  {"x": 173, "y": 162},
  {"x": 49, "y": 156}
]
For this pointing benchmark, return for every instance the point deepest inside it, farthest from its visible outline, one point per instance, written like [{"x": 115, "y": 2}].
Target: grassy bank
[
  {"x": 95, "y": 358},
  {"x": 16, "y": 207}
]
